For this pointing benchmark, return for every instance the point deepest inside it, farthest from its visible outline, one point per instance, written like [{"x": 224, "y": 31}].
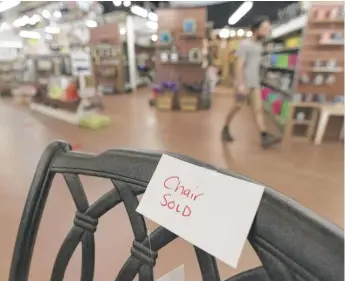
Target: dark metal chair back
[{"x": 292, "y": 243}]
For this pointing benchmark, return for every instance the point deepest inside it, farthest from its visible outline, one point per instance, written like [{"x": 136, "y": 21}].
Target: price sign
[{"x": 212, "y": 211}]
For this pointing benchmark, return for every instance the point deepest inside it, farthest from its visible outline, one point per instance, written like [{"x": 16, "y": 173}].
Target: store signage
[
  {"x": 81, "y": 63},
  {"x": 211, "y": 210}
]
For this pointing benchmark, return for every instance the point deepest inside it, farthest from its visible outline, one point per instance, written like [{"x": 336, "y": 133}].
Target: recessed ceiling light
[
  {"x": 126, "y": 3},
  {"x": 240, "y": 32},
  {"x": 224, "y": 33},
  {"x": 117, "y": 3},
  {"x": 249, "y": 33},
  {"x": 154, "y": 37},
  {"x": 46, "y": 14},
  {"x": 57, "y": 14}
]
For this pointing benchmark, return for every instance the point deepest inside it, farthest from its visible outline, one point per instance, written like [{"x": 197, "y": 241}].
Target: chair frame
[{"x": 292, "y": 243}]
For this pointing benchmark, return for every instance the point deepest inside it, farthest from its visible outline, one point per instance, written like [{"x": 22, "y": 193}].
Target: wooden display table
[{"x": 327, "y": 111}]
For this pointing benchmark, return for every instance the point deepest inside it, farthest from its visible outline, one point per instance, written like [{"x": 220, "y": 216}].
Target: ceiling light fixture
[
  {"x": 117, "y": 3},
  {"x": 139, "y": 11},
  {"x": 154, "y": 37},
  {"x": 46, "y": 14},
  {"x": 240, "y": 32},
  {"x": 240, "y": 12},
  {"x": 8, "y": 4},
  {"x": 21, "y": 21},
  {"x": 232, "y": 33},
  {"x": 152, "y": 24},
  {"x": 152, "y": 16},
  {"x": 34, "y": 19},
  {"x": 52, "y": 29},
  {"x": 249, "y": 33},
  {"x": 57, "y": 14},
  {"x": 122, "y": 31},
  {"x": 224, "y": 33},
  {"x": 126, "y": 3},
  {"x": 29, "y": 34},
  {"x": 91, "y": 23}
]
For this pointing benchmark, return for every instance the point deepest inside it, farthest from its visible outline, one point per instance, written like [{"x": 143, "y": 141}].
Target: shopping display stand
[
  {"x": 108, "y": 59},
  {"x": 320, "y": 75},
  {"x": 180, "y": 75},
  {"x": 62, "y": 100},
  {"x": 278, "y": 69},
  {"x": 302, "y": 71}
]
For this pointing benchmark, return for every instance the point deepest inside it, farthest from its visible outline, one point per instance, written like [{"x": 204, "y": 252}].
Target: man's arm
[
  {"x": 239, "y": 69},
  {"x": 241, "y": 55}
]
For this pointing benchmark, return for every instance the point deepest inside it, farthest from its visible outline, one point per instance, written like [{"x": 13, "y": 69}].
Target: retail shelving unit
[
  {"x": 320, "y": 75},
  {"x": 108, "y": 59},
  {"x": 278, "y": 68},
  {"x": 174, "y": 61},
  {"x": 302, "y": 75}
]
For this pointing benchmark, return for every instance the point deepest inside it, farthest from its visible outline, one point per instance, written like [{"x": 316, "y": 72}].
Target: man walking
[{"x": 247, "y": 82}]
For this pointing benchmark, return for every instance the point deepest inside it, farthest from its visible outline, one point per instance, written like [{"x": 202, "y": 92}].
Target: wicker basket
[
  {"x": 164, "y": 101},
  {"x": 189, "y": 102}
]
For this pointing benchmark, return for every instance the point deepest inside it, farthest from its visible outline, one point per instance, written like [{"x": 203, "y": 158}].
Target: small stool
[{"x": 325, "y": 112}]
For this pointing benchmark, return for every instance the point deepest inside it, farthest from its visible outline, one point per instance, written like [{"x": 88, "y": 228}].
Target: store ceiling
[
  {"x": 217, "y": 11},
  {"x": 220, "y": 13}
]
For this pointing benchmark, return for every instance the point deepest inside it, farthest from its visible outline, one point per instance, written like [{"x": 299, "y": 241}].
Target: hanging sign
[
  {"x": 81, "y": 63},
  {"x": 211, "y": 210}
]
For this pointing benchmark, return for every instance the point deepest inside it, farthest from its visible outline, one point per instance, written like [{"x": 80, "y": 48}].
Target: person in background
[{"x": 247, "y": 81}]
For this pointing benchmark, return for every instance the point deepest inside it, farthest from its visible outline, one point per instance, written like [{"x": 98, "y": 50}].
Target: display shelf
[
  {"x": 278, "y": 68},
  {"x": 328, "y": 21},
  {"x": 291, "y": 27},
  {"x": 276, "y": 88},
  {"x": 108, "y": 59},
  {"x": 182, "y": 63},
  {"x": 281, "y": 50},
  {"x": 319, "y": 78},
  {"x": 331, "y": 43},
  {"x": 327, "y": 70},
  {"x": 179, "y": 56}
]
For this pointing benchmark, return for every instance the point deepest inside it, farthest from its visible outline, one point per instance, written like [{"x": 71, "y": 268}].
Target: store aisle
[{"x": 311, "y": 175}]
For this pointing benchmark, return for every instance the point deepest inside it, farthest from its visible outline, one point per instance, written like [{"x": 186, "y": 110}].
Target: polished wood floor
[{"x": 311, "y": 175}]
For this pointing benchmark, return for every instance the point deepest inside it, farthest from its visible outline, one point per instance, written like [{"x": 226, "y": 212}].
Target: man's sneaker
[
  {"x": 226, "y": 136},
  {"x": 268, "y": 140}
]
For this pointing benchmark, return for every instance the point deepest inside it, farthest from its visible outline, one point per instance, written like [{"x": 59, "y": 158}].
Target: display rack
[
  {"x": 279, "y": 61},
  {"x": 108, "y": 58},
  {"x": 11, "y": 70},
  {"x": 302, "y": 71},
  {"x": 320, "y": 74},
  {"x": 179, "y": 72},
  {"x": 145, "y": 61}
]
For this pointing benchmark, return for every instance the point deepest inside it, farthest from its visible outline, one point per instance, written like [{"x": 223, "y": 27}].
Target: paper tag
[
  {"x": 175, "y": 275},
  {"x": 210, "y": 210}
]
